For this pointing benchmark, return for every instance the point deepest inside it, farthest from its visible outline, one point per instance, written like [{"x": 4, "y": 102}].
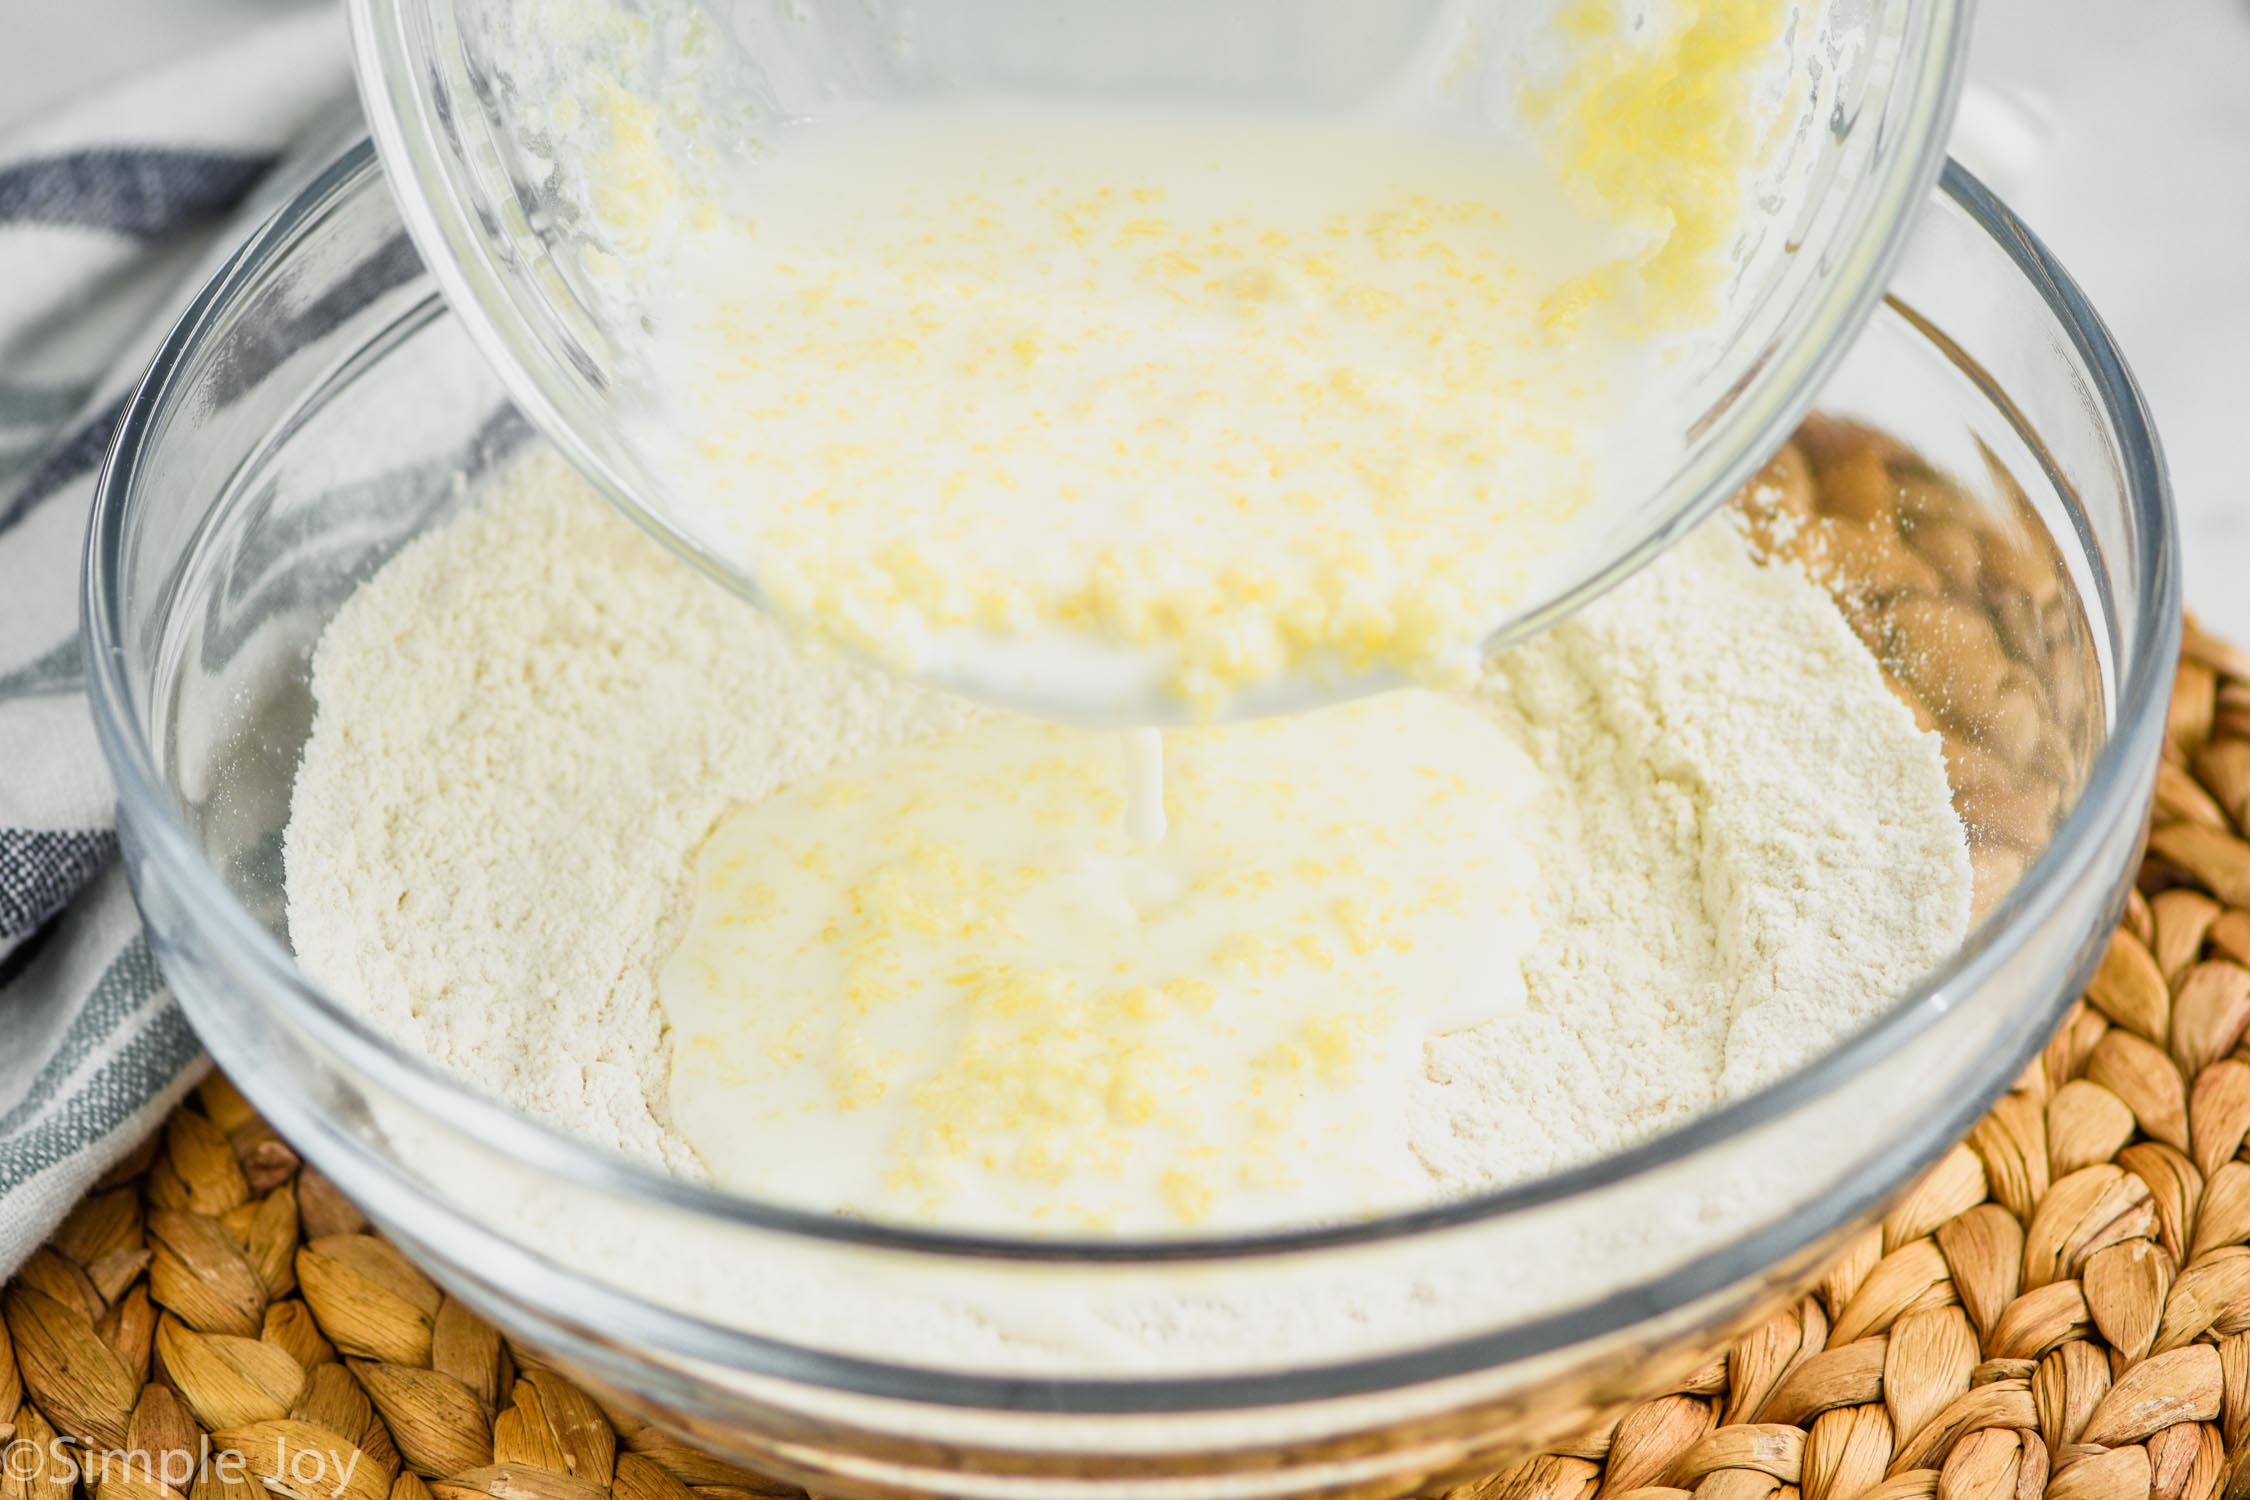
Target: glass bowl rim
[{"x": 147, "y": 810}]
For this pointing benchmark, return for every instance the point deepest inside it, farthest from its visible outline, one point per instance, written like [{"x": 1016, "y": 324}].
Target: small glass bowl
[
  {"x": 319, "y": 407},
  {"x": 453, "y": 90}
]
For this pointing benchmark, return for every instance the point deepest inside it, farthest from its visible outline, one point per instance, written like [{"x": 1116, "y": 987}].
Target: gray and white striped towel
[{"x": 112, "y": 208}]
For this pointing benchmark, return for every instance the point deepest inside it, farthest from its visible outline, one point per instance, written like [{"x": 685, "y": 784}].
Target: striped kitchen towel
[{"x": 112, "y": 208}]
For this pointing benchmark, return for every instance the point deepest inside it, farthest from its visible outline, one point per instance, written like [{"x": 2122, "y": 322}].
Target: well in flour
[{"x": 530, "y": 720}]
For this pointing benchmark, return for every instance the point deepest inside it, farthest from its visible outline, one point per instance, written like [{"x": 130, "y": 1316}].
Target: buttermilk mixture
[
  {"x": 1289, "y": 398},
  {"x": 1101, "y": 407},
  {"x": 1300, "y": 402}
]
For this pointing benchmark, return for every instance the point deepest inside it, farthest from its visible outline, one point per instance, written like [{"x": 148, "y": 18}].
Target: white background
[{"x": 2120, "y": 129}]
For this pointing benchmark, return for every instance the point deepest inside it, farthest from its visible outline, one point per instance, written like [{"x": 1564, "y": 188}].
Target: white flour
[{"x": 529, "y": 720}]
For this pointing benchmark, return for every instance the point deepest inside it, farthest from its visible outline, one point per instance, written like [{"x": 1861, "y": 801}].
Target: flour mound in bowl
[{"x": 532, "y": 717}]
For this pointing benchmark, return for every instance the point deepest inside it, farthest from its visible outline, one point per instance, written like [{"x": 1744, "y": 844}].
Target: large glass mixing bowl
[
  {"x": 494, "y": 196},
  {"x": 319, "y": 407}
]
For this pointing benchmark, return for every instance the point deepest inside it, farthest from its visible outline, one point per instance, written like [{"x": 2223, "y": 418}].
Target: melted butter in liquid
[
  {"x": 1078, "y": 408},
  {"x": 1136, "y": 412},
  {"x": 952, "y": 985}
]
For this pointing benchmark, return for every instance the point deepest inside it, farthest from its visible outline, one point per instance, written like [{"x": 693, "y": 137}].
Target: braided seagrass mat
[{"x": 2060, "y": 1308}]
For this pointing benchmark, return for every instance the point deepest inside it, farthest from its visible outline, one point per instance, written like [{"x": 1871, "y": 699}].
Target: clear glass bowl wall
[
  {"x": 453, "y": 87},
  {"x": 319, "y": 407}
]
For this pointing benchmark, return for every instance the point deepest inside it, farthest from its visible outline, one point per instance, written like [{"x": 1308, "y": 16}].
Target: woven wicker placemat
[{"x": 2061, "y": 1308}]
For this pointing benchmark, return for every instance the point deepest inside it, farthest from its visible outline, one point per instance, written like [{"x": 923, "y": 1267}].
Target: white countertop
[
  {"x": 2134, "y": 167},
  {"x": 2120, "y": 131}
]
